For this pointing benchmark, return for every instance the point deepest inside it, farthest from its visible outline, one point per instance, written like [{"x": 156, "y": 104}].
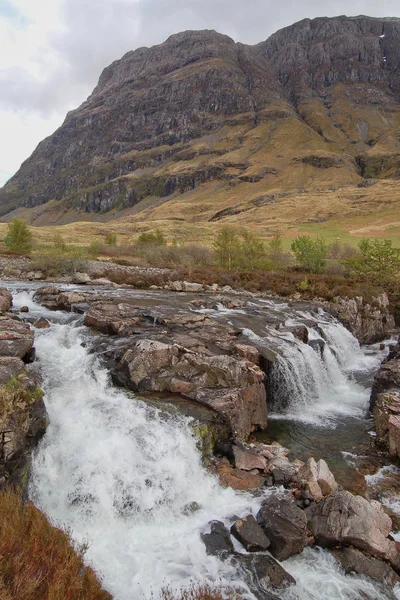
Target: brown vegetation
[{"x": 37, "y": 561}]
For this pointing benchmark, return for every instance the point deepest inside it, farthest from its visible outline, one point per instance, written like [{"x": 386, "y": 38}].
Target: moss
[{"x": 16, "y": 393}]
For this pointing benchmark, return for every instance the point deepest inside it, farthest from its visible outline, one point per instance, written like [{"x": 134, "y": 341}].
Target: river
[{"x": 120, "y": 474}]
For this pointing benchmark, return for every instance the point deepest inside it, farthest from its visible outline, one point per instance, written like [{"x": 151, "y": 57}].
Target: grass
[
  {"x": 38, "y": 561},
  {"x": 14, "y": 394}
]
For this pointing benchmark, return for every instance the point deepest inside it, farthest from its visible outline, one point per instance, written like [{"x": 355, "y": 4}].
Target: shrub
[
  {"x": 37, "y": 561},
  {"x": 310, "y": 254},
  {"x": 156, "y": 238},
  {"x": 19, "y": 237},
  {"x": 59, "y": 243},
  {"x": 54, "y": 264},
  {"x": 111, "y": 239}
]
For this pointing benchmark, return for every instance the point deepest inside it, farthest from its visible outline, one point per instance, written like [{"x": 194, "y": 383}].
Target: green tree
[
  {"x": 378, "y": 260},
  {"x": 227, "y": 246},
  {"x": 251, "y": 251},
  {"x": 310, "y": 254},
  {"x": 19, "y": 237},
  {"x": 276, "y": 254}
]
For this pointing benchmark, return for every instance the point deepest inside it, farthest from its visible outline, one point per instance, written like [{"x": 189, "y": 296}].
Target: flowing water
[{"x": 120, "y": 474}]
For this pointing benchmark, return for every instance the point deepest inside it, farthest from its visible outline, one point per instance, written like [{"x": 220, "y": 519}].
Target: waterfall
[
  {"x": 119, "y": 475},
  {"x": 316, "y": 381}
]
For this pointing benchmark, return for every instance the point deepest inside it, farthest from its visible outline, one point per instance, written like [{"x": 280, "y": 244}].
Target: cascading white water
[
  {"x": 315, "y": 382},
  {"x": 119, "y": 475}
]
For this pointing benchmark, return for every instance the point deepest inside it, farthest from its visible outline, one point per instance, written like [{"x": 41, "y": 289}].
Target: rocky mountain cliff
[{"x": 217, "y": 128}]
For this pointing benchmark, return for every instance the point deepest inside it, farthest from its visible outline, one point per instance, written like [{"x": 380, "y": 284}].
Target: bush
[
  {"x": 155, "y": 238},
  {"x": 278, "y": 258},
  {"x": 310, "y": 254},
  {"x": 378, "y": 260},
  {"x": 19, "y": 237},
  {"x": 37, "y": 561},
  {"x": 54, "y": 264},
  {"x": 239, "y": 249},
  {"x": 111, "y": 239}
]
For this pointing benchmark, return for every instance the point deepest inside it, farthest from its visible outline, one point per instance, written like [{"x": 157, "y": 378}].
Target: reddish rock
[
  {"x": 344, "y": 519},
  {"x": 247, "y": 460},
  {"x": 387, "y": 420},
  {"x": 236, "y": 478}
]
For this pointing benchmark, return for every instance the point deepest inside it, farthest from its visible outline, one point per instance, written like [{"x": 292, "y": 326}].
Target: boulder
[
  {"x": 231, "y": 386},
  {"x": 41, "y": 323},
  {"x": 80, "y": 278},
  {"x": 218, "y": 540},
  {"x": 347, "y": 520},
  {"x": 283, "y": 472},
  {"x": 65, "y": 300},
  {"x": 5, "y": 300},
  {"x": 354, "y": 561},
  {"x": 317, "y": 478},
  {"x": 261, "y": 573},
  {"x": 112, "y": 318},
  {"x": 16, "y": 338},
  {"x": 188, "y": 286},
  {"x": 249, "y": 534},
  {"x": 284, "y": 524},
  {"x": 238, "y": 479},
  {"x": 248, "y": 352},
  {"x": 247, "y": 460},
  {"x": 387, "y": 420},
  {"x": 24, "y": 309}
]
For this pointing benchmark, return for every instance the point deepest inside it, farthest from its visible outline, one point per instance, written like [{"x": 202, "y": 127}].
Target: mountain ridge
[{"x": 201, "y": 119}]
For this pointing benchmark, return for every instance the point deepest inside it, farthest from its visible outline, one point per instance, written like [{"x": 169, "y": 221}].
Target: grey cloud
[{"x": 100, "y": 31}]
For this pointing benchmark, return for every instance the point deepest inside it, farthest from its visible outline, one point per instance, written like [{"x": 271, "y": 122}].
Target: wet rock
[
  {"x": 249, "y": 534},
  {"x": 261, "y": 573},
  {"x": 284, "y": 524},
  {"x": 387, "y": 378},
  {"x": 387, "y": 420},
  {"x": 80, "y": 278},
  {"x": 151, "y": 365},
  {"x": 299, "y": 331},
  {"x": 218, "y": 541},
  {"x": 247, "y": 460},
  {"x": 244, "y": 408},
  {"x": 191, "y": 508},
  {"x": 65, "y": 300},
  {"x": 344, "y": 519},
  {"x": 5, "y": 300},
  {"x": 24, "y": 309},
  {"x": 111, "y": 318},
  {"x": 368, "y": 322},
  {"x": 41, "y": 323},
  {"x": 237, "y": 478},
  {"x": 354, "y": 561}
]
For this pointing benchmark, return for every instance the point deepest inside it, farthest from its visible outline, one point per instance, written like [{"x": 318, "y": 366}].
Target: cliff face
[{"x": 317, "y": 102}]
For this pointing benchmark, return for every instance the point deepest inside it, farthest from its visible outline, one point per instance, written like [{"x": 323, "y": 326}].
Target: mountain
[{"x": 202, "y": 129}]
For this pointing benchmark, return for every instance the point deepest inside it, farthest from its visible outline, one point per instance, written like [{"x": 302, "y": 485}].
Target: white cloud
[{"x": 52, "y": 51}]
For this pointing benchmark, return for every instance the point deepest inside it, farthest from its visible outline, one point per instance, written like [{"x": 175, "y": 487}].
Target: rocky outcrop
[
  {"x": 385, "y": 402},
  {"x": 23, "y": 417},
  {"x": 354, "y": 561},
  {"x": 369, "y": 322},
  {"x": 5, "y": 300},
  {"x": 342, "y": 519},
  {"x": 235, "y": 388},
  {"x": 387, "y": 420}
]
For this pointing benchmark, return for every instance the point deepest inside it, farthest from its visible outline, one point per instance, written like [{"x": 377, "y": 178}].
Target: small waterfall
[{"x": 316, "y": 381}]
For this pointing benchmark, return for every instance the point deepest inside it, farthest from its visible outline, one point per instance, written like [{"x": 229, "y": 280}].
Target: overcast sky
[{"x": 53, "y": 51}]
